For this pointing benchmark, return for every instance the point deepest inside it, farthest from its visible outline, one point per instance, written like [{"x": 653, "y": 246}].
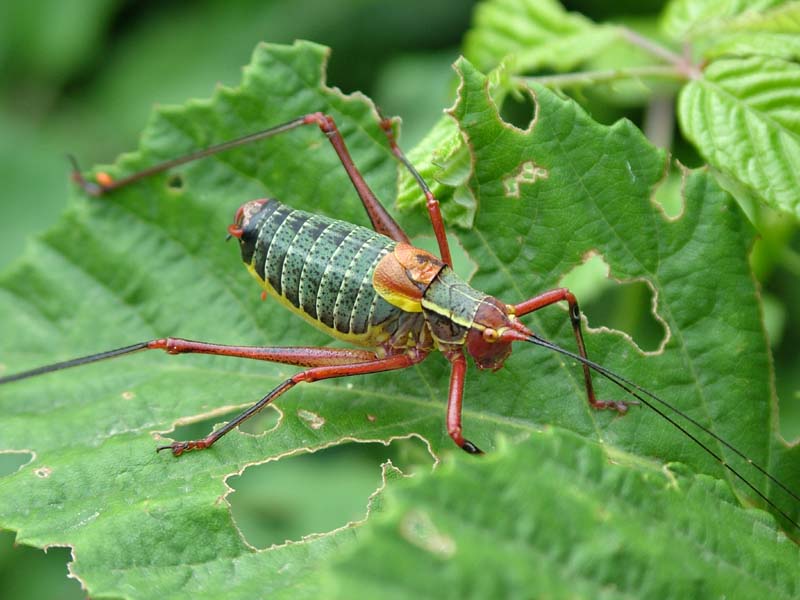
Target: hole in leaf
[
  {"x": 175, "y": 181},
  {"x": 263, "y": 421},
  {"x": 528, "y": 172},
  {"x": 256, "y": 425},
  {"x": 518, "y": 110},
  {"x": 30, "y": 573},
  {"x": 10, "y": 462},
  {"x": 669, "y": 195},
  {"x": 624, "y": 307},
  {"x": 774, "y": 260},
  {"x": 313, "y": 493},
  {"x": 194, "y": 431}
]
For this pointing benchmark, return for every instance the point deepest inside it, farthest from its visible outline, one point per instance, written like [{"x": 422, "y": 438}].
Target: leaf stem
[
  {"x": 580, "y": 78},
  {"x": 651, "y": 47},
  {"x": 659, "y": 120},
  {"x": 681, "y": 62}
]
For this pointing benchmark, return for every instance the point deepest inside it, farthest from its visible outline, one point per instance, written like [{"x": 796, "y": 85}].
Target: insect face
[
  {"x": 489, "y": 341},
  {"x": 245, "y": 226}
]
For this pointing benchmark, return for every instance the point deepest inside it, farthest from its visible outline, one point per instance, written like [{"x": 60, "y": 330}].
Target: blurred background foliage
[{"x": 82, "y": 77}]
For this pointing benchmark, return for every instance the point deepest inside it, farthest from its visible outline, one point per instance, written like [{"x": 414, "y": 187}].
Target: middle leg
[{"x": 557, "y": 295}]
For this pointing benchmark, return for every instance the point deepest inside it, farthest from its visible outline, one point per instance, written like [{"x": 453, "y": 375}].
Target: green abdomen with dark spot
[{"x": 321, "y": 268}]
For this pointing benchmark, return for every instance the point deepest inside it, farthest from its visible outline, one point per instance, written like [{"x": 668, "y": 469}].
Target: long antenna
[{"x": 629, "y": 386}]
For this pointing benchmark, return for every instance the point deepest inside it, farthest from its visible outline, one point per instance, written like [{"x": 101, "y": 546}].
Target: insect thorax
[{"x": 450, "y": 306}]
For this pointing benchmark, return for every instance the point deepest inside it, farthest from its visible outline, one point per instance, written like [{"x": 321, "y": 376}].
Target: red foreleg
[
  {"x": 454, "y": 403},
  {"x": 557, "y": 295}
]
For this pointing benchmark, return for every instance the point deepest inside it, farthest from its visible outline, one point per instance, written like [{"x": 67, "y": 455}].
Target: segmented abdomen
[{"x": 323, "y": 268}]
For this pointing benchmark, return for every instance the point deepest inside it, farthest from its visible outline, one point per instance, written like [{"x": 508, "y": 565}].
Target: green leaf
[
  {"x": 778, "y": 45},
  {"x": 487, "y": 529},
  {"x": 782, "y": 17},
  {"x": 530, "y": 36},
  {"x": 529, "y": 243},
  {"x": 443, "y": 160},
  {"x": 538, "y": 34},
  {"x": 150, "y": 261},
  {"x": 743, "y": 115},
  {"x": 684, "y": 19},
  {"x": 770, "y": 31}
]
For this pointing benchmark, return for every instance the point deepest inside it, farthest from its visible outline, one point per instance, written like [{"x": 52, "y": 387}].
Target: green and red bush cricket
[{"x": 373, "y": 288}]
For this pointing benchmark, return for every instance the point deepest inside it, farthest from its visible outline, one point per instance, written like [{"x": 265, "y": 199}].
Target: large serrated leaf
[
  {"x": 742, "y": 115},
  {"x": 712, "y": 329},
  {"x": 150, "y": 261},
  {"x": 554, "y": 518}
]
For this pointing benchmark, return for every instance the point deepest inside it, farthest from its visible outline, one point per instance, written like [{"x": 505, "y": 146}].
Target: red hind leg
[
  {"x": 381, "y": 220},
  {"x": 376, "y": 365}
]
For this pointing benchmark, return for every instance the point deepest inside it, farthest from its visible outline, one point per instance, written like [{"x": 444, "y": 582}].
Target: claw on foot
[
  {"x": 471, "y": 448},
  {"x": 621, "y": 406},
  {"x": 178, "y": 448}
]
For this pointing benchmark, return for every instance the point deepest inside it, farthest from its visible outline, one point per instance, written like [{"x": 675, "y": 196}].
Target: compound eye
[
  {"x": 235, "y": 229},
  {"x": 238, "y": 218},
  {"x": 490, "y": 335}
]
